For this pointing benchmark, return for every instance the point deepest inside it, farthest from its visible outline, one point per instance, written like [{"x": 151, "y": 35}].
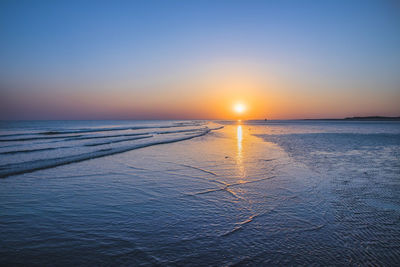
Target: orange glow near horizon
[{"x": 229, "y": 91}]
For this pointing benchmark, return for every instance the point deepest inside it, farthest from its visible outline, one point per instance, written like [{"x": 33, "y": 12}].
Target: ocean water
[{"x": 190, "y": 193}]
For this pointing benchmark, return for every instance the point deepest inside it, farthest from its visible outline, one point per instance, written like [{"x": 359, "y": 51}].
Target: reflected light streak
[
  {"x": 239, "y": 158},
  {"x": 239, "y": 140}
]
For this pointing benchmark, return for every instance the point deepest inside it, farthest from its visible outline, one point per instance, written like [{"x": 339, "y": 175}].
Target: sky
[{"x": 198, "y": 59}]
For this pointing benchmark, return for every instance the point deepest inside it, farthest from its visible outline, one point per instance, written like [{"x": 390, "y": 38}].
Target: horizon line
[{"x": 374, "y": 117}]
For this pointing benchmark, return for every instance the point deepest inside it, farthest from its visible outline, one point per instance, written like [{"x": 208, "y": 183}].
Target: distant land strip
[{"x": 368, "y": 118}]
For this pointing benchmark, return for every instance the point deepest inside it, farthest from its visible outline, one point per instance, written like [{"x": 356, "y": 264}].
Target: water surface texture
[{"x": 187, "y": 193}]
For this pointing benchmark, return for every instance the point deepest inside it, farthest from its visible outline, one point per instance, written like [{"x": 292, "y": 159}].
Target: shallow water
[{"x": 278, "y": 193}]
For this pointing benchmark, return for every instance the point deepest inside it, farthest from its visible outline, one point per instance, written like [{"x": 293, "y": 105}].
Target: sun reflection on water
[
  {"x": 239, "y": 140},
  {"x": 239, "y": 157}
]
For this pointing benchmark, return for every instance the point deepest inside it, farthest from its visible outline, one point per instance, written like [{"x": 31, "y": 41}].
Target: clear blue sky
[{"x": 63, "y": 59}]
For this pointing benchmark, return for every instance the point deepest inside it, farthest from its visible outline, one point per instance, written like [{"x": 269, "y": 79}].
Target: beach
[{"x": 200, "y": 193}]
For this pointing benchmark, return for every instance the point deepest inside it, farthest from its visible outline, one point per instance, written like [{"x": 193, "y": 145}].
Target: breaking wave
[{"x": 41, "y": 150}]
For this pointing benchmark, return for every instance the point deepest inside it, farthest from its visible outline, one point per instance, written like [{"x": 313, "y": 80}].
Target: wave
[
  {"x": 29, "y": 150},
  {"x": 82, "y": 136},
  {"x": 36, "y": 138},
  {"x": 118, "y": 141},
  {"x": 103, "y": 136},
  {"x": 34, "y": 165},
  {"x": 182, "y": 131},
  {"x": 14, "y": 134},
  {"x": 108, "y": 129}
]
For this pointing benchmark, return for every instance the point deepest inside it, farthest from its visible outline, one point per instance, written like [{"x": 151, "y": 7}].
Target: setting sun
[{"x": 239, "y": 108}]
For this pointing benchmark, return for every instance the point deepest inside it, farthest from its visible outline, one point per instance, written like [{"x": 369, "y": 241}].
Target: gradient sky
[{"x": 196, "y": 59}]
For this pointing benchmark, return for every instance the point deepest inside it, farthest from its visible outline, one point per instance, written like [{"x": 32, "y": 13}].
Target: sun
[{"x": 239, "y": 108}]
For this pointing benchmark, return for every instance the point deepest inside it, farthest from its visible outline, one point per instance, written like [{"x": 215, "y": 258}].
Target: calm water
[{"x": 193, "y": 193}]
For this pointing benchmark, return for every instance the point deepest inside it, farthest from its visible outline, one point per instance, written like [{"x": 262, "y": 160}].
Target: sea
[{"x": 200, "y": 193}]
